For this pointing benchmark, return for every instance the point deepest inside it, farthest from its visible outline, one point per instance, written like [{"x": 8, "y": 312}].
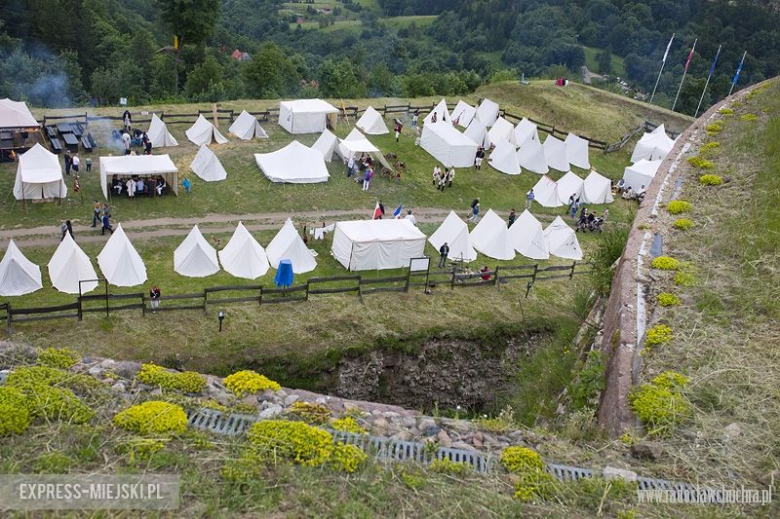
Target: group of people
[
  {"x": 73, "y": 163},
  {"x": 629, "y": 193},
  {"x": 101, "y": 214},
  {"x": 362, "y": 168},
  {"x": 590, "y": 221},
  {"x": 442, "y": 179},
  {"x": 137, "y": 186},
  {"x": 133, "y": 138}
]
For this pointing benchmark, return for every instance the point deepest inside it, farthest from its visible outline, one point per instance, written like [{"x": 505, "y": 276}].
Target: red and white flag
[
  {"x": 377, "y": 212},
  {"x": 690, "y": 56}
]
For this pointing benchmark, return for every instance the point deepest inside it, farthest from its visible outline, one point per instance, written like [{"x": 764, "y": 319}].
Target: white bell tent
[
  {"x": 562, "y": 240},
  {"x": 377, "y": 244},
  {"x": 294, "y": 164},
  {"x": 246, "y": 127},
  {"x": 531, "y": 157},
  {"x": 555, "y": 153},
  {"x": 159, "y": 135},
  {"x": 491, "y": 237},
  {"x": 527, "y": 237},
  {"x": 577, "y": 151},
  {"x": 69, "y": 265},
  {"x": 355, "y": 143},
  {"x": 455, "y": 233},
  {"x": 597, "y": 189},
  {"x": 655, "y": 145},
  {"x": 640, "y": 174},
  {"x": 448, "y": 145},
  {"x": 138, "y": 165},
  {"x": 327, "y": 144},
  {"x": 39, "y": 175},
  {"x": 372, "y": 123},
  {"x": 203, "y": 132},
  {"x": 18, "y": 275},
  {"x": 120, "y": 262},
  {"x": 487, "y": 112},
  {"x": 502, "y": 130},
  {"x": 525, "y": 130},
  {"x": 441, "y": 114},
  {"x": 546, "y": 192},
  {"x": 243, "y": 256},
  {"x": 504, "y": 158},
  {"x": 463, "y": 114},
  {"x": 478, "y": 133},
  {"x": 195, "y": 257},
  {"x": 287, "y": 244},
  {"x": 305, "y": 115},
  {"x": 568, "y": 185},
  {"x": 207, "y": 166}
]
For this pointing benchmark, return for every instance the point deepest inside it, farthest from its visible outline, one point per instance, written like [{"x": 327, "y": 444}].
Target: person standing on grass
[
  {"x": 450, "y": 176},
  {"x": 127, "y": 119},
  {"x": 367, "y": 178},
  {"x": 415, "y": 118},
  {"x": 63, "y": 230},
  {"x": 130, "y": 185},
  {"x": 571, "y": 203},
  {"x": 442, "y": 181},
  {"x": 68, "y": 162},
  {"x": 96, "y": 207},
  {"x": 154, "y": 296},
  {"x": 350, "y": 166},
  {"x": 126, "y": 140},
  {"x": 529, "y": 198},
  {"x": 106, "y": 209},
  {"x": 436, "y": 175},
  {"x": 76, "y": 163},
  {"x": 479, "y": 158},
  {"x": 512, "y": 217},
  {"x": 444, "y": 251},
  {"x": 68, "y": 229},
  {"x": 186, "y": 184},
  {"x": 409, "y": 216},
  {"x": 398, "y": 127},
  {"x": 381, "y": 210},
  {"x": 106, "y": 221},
  {"x": 474, "y": 211}
]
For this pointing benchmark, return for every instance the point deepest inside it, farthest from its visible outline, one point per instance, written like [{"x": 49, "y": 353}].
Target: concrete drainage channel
[{"x": 388, "y": 449}]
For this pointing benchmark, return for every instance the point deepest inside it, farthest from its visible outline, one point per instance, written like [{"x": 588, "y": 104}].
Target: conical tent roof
[
  {"x": 463, "y": 114},
  {"x": 455, "y": 233},
  {"x": 247, "y": 127},
  {"x": 203, "y": 132},
  {"x": 119, "y": 261},
  {"x": 555, "y": 153},
  {"x": 527, "y": 237},
  {"x": 478, "y": 133},
  {"x": 655, "y": 145},
  {"x": 531, "y": 157},
  {"x": 442, "y": 114},
  {"x": 355, "y": 143},
  {"x": 504, "y": 158},
  {"x": 546, "y": 192},
  {"x": 287, "y": 244},
  {"x": 502, "y": 130},
  {"x": 491, "y": 237},
  {"x": 159, "y": 135},
  {"x": 597, "y": 189},
  {"x": 372, "y": 123},
  {"x": 568, "y": 185},
  {"x": 195, "y": 257},
  {"x": 69, "y": 265},
  {"x": 524, "y": 131},
  {"x": 562, "y": 240},
  {"x": 487, "y": 112},
  {"x": 577, "y": 151},
  {"x": 207, "y": 166},
  {"x": 327, "y": 144},
  {"x": 243, "y": 256},
  {"x": 640, "y": 174},
  {"x": 18, "y": 275}
]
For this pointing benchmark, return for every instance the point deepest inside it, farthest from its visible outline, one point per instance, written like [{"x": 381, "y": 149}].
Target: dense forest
[{"x": 69, "y": 52}]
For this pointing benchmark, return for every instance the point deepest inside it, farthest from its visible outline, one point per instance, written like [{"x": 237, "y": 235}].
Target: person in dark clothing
[
  {"x": 512, "y": 217},
  {"x": 479, "y": 158},
  {"x": 381, "y": 210},
  {"x": 127, "y": 118},
  {"x": 106, "y": 220},
  {"x": 444, "y": 250},
  {"x": 69, "y": 229},
  {"x": 68, "y": 162}
]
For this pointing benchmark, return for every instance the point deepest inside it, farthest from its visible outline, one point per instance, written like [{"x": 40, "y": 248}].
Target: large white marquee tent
[
  {"x": 16, "y": 115},
  {"x": 287, "y": 244},
  {"x": 69, "y": 265},
  {"x": 195, "y": 257},
  {"x": 463, "y": 114},
  {"x": 640, "y": 174},
  {"x": 159, "y": 135},
  {"x": 577, "y": 151},
  {"x": 562, "y": 240},
  {"x": 138, "y": 165},
  {"x": 305, "y": 115},
  {"x": 377, "y": 244},
  {"x": 243, "y": 256},
  {"x": 455, "y": 233},
  {"x": 207, "y": 166},
  {"x": 527, "y": 237},
  {"x": 294, "y": 164},
  {"x": 448, "y": 145},
  {"x": 597, "y": 189},
  {"x": 18, "y": 275},
  {"x": 247, "y": 127},
  {"x": 120, "y": 262},
  {"x": 491, "y": 237},
  {"x": 39, "y": 175},
  {"x": 372, "y": 123}
]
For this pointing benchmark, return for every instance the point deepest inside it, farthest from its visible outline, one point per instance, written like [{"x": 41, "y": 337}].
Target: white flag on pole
[{"x": 668, "y": 46}]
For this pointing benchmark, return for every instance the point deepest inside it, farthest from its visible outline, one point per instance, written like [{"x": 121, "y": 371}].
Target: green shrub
[
  {"x": 710, "y": 180},
  {"x": 247, "y": 381},
  {"x": 187, "y": 382},
  {"x": 533, "y": 479},
  {"x": 726, "y": 111},
  {"x": 665, "y": 263},
  {"x": 295, "y": 441},
  {"x": 671, "y": 380},
  {"x": 347, "y": 458},
  {"x": 152, "y": 417},
  {"x": 684, "y": 279},
  {"x": 679, "y": 206},
  {"x": 315, "y": 414},
  {"x": 43, "y": 399},
  {"x": 347, "y": 424},
  {"x": 659, "y": 334},
  {"x": 590, "y": 382},
  {"x": 706, "y": 148},
  {"x": 683, "y": 224},
  {"x": 58, "y": 358},
  {"x": 749, "y": 117},
  {"x": 700, "y": 162},
  {"x": 659, "y": 404},
  {"x": 668, "y": 299},
  {"x": 14, "y": 415},
  {"x": 447, "y": 466},
  {"x": 714, "y": 128},
  {"x": 34, "y": 376}
]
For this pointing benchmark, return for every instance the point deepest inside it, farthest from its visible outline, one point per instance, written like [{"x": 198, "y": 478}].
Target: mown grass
[{"x": 618, "y": 66}]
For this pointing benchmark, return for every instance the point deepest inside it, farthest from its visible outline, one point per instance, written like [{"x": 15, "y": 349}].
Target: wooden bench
[
  {"x": 88, "y": 143},
  {"x": 51, "y": 131},
  {"x": 56, "y": 145}
]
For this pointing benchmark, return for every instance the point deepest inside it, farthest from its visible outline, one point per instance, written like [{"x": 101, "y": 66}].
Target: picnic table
[
  {"x": 71, "y": 141},
  {"x": 64, "y": 128}
]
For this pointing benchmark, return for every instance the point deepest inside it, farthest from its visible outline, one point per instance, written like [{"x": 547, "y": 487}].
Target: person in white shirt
[
  {"x": 350, "y": 166},
  {"x": 436, "y": 175},
  {"x": 130, "y": 184},
  {"x": 126, "y": 139},
  {"x": 75, "y": 163},
  {"x": 409, "y": 216}
]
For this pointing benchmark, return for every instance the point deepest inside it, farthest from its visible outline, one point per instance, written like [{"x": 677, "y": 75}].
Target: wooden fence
[{"x": 456, "y": 278}]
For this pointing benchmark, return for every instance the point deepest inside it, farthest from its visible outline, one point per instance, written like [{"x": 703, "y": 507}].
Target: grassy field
[
  {"x": 406, "y": 21},
  {"x": 618, "y": 66}
]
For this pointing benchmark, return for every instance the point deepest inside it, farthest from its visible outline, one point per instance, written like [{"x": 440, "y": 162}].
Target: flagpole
[
  {"x": 739, "y": 70},
  {"x": 712, "y": 69},
  {"x": 685, "y": 73},
  {"x": 663, "y": 63}
]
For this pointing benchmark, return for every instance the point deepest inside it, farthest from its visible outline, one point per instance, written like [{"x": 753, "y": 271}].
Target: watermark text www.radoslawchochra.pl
[{"x": 706, "y": 495}]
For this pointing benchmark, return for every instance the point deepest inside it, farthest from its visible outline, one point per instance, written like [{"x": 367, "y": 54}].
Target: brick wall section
[{"x": 619, "y": 337}]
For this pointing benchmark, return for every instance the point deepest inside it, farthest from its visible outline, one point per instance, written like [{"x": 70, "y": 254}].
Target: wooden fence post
[
  {"x": 573, "y": 265},
  {"x": 143, "y": 305},
  {"x": 8, "y": 317},
  {"x": 452, "y": 281},
  {"x": 408, "y": 279},
  {"x": 107, "y": 310},
  {"x": 495, "y": 278},
  {"x": 81, "y": 313},
  {"x": 533, "y": 278}
]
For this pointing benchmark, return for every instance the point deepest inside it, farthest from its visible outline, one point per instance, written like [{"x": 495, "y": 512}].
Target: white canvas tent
[
  {"x": 207, "y": 166},
  {"x": 654, "y": 145},
  {"x": 442, "y": 114},
  {"x": 527, "y": 237},
  {"x": 478, "y": 133},
  {"x": 287, "y": 244},
  {"x": 546, "y": 192},
  {"x": 305, "y": 115},
  {"x": 455, "y": 233},
  {"x": 372, "y": 123},
  {"x": 16, "y": 115},
  {"x": 504, "y": 158},
  {"x": 247, "y": 127},
  {"x": 377, "y": 244},
  {"x": 448, "y": 145},
  {"x": 463, "y": 114},
  {"x": 195, "y": 257},
  {"x": 39, "y": 175},
  {"x": 294, "y": 164},
  {"x": 555, "y": 153},
  {"x": 243, "y": 256},
  {"x": 355, "y": 143},
  {"x": 18, "y": 275},
  {"x": 491, "y": 237},
  {"x": 69, "y": 265},
  {"x": 487, "y": 112},
  {"x": 577, "y": 151},
  {"x": 562, "y": 240},
  {"x": 502, "y": 130},
  {"x": 568, "y": 185},
  {"x": 531, "y": 157},
  {"x": 203, "y": 132},
  {"x": 640, "y": 174},
  {"x": 597, "y": 189},
  {"x": 327, "y": 144},
  {"x": 119, "y": 261},
  {"x": 138, "y": 165},
  {"x": 159, "y": 135},
  {"x": 525, "y": 130}
]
